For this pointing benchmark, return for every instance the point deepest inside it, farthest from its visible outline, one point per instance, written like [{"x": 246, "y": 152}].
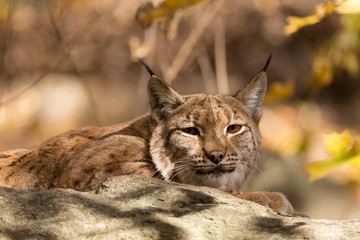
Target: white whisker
[
  {"x": 267, "y": 181},
  {"x": 179, "y": 169}
]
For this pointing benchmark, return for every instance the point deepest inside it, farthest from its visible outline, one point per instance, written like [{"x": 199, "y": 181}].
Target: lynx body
[{"x": 209, "y": 140}]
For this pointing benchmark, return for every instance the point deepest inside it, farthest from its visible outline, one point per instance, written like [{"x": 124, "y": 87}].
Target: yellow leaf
[
  {"x": 319, "y": 169},
  {"x": 321, "y": 11},
  {"x": 344, "y": 151},
  {"x": 354, "y": 161},
  {"x": 348, "y": 6},
  {"x": 4, "y": 9},
  {"x": 351, "y": 63},
  {"x": 147, "y": 13},
  {"x": 356, "y": 146},
  {"x": 295, "y": 23},
  {"x": 280, "y": 91},
  {"x": 322, "y": 72},
  {"x": 337, "y": 144},
  {"x": 316, "y": 171},
  {"x": 175, "y": 4},
  {"x": 354, "y": 174}
]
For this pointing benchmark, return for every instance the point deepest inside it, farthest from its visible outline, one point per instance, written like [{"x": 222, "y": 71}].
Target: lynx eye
[
  {"x": 191, "y": 130},
  {"x": 234, "y": 128}
]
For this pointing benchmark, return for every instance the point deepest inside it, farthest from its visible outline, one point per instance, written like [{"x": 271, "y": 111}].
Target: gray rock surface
[{"x": 135, "y": 207}]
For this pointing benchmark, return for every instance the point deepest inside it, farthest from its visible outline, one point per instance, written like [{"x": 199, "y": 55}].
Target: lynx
[{"x": 208, "y": 140}]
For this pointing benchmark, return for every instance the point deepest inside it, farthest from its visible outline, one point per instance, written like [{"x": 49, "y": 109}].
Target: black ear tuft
[
  {"x": 267, "y": 63},
  {"x": 147, "y": 67}
]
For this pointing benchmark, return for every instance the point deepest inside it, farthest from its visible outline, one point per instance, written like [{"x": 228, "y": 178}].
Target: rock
[{"x": 135, "y": 207}]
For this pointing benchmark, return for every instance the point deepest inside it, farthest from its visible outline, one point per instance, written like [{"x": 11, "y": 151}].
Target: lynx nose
[{"x": 216, "y": 156}]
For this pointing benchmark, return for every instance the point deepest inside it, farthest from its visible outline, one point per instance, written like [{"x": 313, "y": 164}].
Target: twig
[
  {"x": 187, "y": 47},
  {"x": 70, "y": 59},
  {"x": 91, "y": 97},
  {"x": 220, "y": 57},
  {"x": 53, "y": 22},
  {"x": 78, "y": 37},
  {"x": 66, "y": 50},
  {"x": 41, "y": 77},
  {"x": 207, "y": 72},
  {"x": 8, "y": 35}
]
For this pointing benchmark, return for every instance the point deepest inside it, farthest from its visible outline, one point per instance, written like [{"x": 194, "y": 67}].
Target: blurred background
[{"x": 65, "y": 64}]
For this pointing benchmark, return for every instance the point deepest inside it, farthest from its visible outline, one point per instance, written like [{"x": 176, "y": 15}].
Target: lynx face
[{"x": 206, "y": 140}]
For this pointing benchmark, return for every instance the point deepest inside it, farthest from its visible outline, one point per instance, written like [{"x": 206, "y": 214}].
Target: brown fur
[{"x": 209, "y": 140}]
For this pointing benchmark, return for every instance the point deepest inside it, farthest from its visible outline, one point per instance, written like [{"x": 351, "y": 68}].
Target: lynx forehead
[{"x": 204, "y": 109}]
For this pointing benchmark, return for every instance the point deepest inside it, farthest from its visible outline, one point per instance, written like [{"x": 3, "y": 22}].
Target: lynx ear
[
  {"x": 253, "y": 95},
  {"x": 163, "y": 99}
]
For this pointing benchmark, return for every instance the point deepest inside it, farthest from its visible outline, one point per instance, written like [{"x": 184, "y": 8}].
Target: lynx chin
[{"x": 209, "y": 140}]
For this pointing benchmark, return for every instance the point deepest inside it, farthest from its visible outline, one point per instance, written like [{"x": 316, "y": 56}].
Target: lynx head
[{"x": 209, "y": 140}]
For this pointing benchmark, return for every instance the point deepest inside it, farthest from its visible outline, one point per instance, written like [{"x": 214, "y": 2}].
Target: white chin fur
[{"x": 226, "y": 180}]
